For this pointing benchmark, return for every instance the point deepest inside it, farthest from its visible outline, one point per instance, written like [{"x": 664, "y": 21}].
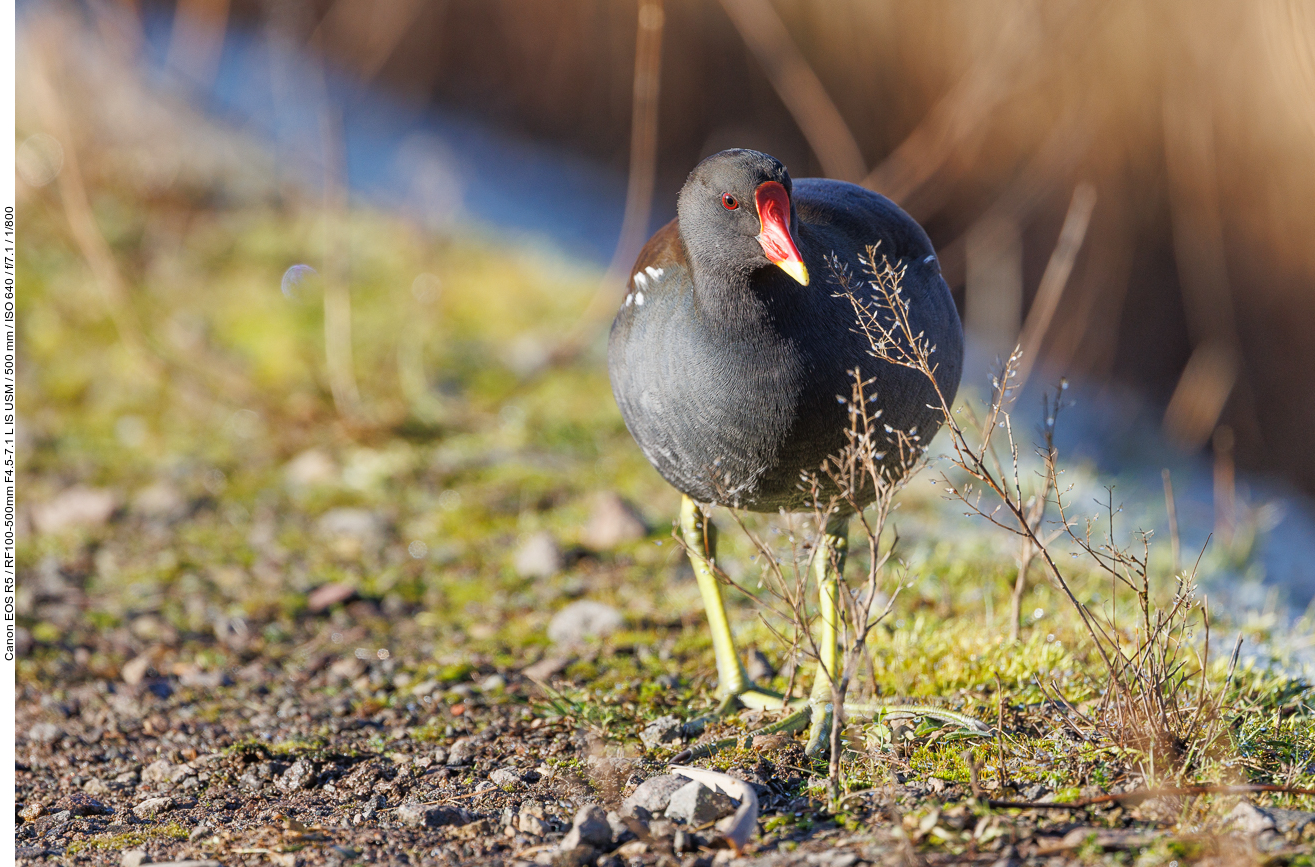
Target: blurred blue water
[{"x": 442, "y": 168}]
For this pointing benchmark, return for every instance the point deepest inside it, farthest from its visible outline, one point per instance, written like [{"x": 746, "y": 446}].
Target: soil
[{"x": 303, "y": 765}]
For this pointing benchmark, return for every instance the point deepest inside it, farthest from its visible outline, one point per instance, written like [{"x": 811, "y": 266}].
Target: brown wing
[{"x": 662, "y": 255}]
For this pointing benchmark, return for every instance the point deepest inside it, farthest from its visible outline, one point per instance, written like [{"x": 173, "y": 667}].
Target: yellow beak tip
[{"x": 796, "y": 270}]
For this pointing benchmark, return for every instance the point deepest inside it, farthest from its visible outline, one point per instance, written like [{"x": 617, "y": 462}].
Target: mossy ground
[{"x": 206, "y": 563}]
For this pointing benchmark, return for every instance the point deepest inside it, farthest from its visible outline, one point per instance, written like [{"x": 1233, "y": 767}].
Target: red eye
[{"x": 728, "y": 202}]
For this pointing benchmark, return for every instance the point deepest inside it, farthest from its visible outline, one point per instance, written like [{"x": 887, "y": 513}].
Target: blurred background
[
  {"x": 1190, "y": 127},
  {"x": 388, "y": 219}
]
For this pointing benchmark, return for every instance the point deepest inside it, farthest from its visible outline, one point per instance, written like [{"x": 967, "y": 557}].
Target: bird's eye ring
[{"x": 729, "y": 202}]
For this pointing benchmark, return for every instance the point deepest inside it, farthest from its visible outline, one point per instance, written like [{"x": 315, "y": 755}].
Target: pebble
[
  {"x": 539, "y": 556},
  {"x": 423, "y": 816},
  {"x": 621, "y": 831},
  {"x": 580, "y": 856},
  {"x": 528, "y": 823},
  {"x": 32, "y": 811},
  {"x": 152, "y": 807},
  {"x": 45, "y": 733},
  {"x": 652, "y": 796},
  {"x": 80, "y": 804},
  {"x": 663, "y": 730},
  {"x": 310, "y": 469},
  {"x": 161, "y": 500},
  {"x": 589, "y": 828},
  {"x": 78, "y": 507},
  {"x": 352, "y": 532},
  {"x": 326, "y": 596},
  {"x": 696, "y": 804},
  {"x": 132, "y": 858},
  {"x": 612, "y": 521},
  {"x": 1250, "y": 819},
  {"x": 462, "y": 752},
  {"x": 505, "y": 777},
  {"x": 52, "y": 821},
  {"x": 134, "y": 670},
  {"x": 158, "y": 771},
  {"x": 301, "y": 775},
  {"x": 582, "y": 620}
]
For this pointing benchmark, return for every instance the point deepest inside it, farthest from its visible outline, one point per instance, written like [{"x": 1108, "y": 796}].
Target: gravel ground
[{"x": 255, "y": 766}]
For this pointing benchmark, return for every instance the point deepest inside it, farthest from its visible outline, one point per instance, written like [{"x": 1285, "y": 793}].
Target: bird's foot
[
  {"x": 817, "y": 716},
  {"x": 748, "y": 697},
  {"x": 795, "y": 721}
]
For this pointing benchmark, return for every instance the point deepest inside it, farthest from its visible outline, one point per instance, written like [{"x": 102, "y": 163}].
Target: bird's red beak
[{"x": 774, "y": 214}]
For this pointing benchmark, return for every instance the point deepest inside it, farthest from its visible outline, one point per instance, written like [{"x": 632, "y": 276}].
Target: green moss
[{"x": 129, "y": 839}]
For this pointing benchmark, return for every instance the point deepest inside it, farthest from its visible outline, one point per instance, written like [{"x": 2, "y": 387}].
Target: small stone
[
  {"x": 663, "y": 730},
  {"x": 539, "y": 556},
  {"x": 696, "y": 804},
  {"x": 505, "y": 778},
  {"x": 311, "y": 469},
  {"x": 462, "y": 752},
  {"x": 348, "y": 668},
  {"x": 527, "y": 823},
  {"x": 580, "y": 856},
  {"x": 326, "y": 596},
  {"x": 200, "y": 832},
  {"x": 45, "y": 733},
  {"x": 158, "y": 771},
  {"x": 134, "y": 670},
  {"x": 52, "y": 823},
  {"x": 32, "y": 811},
  {"x": 161, "y": 501},
  {"x": 80, "y": 804},
  {"x": 583, "y": 620},
  {"x": 132, "y": 858},
  {"x": 152, "y": 807},
  {"x": 77, "y": 508},
  {"x": 545, "y": 668},
  {"x": 196, "y": 678},
  {"x": 633, "y": 849},
  {"x": 352, "y": 532},
  {"x": 652, "y": 796},
  {"x": 612, "y": 521},
  {"x": 440, "y": 756},
  {"x": 301, "y": 775},
  {"x": 661, "y": 829},
  {"x": 424, "y": 816},
  {"x": 96, "y": 787},
  {"x": 621, "y": 830},
  {"x": 589, "y": 828},
  {"x": 1250, "y": 819},
  {"x": 129, "y": 778}
]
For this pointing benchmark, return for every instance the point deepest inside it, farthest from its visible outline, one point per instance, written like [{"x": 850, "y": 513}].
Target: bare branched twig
[{"x": 1157, "y": 697}]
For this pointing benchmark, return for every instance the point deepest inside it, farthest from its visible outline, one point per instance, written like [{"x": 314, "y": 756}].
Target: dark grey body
[{"x": 729, "y": 381}]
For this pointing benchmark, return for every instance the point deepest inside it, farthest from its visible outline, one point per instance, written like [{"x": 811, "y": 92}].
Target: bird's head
[{"x": 737, "y": 214}]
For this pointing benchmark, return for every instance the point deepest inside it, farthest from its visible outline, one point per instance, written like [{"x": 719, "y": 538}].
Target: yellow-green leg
[
  {"x": 733, "y": 685},
  {"x": 828, "y": 566}
]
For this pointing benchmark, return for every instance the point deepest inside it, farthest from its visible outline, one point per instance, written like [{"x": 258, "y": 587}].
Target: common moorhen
[{"x": 733, "y": 344}]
